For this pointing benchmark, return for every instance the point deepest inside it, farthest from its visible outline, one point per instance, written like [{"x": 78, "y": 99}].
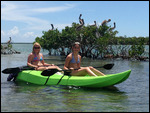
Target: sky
[{"x": 23, "y": 21}]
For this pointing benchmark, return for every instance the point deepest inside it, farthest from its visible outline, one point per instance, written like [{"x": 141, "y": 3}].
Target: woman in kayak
[
  {"x": 35, "y": 59},
  {"x": 73, "y": 61}
]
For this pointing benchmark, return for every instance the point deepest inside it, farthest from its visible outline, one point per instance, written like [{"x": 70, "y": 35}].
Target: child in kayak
[
  {"x": 73, "y": 61},
  {"x": 35, "y": 59}
]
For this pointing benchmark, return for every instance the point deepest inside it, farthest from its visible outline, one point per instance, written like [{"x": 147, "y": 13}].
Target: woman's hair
[
  {"x": 76, "y": 43},
  {"x": 36, "y": 43}
]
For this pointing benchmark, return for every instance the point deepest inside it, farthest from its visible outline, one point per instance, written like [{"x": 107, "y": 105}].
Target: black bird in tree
[{"x": 52, "y": 27}]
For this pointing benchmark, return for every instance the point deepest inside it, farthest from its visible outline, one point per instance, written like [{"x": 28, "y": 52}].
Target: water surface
[{"x": 129, "y": 96}]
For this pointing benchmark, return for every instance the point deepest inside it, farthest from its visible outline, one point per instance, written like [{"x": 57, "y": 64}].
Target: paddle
[
  {"x": 106, "y": 66},
  {"x": 18, "y": 69},
  {"x": 13, "y": 72},
  {"x": 50, "y": 72}
]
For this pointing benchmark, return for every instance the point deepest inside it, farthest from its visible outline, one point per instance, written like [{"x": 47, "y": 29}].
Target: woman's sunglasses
[
  {"x": 36, "y": 47},
  {"x": 76, "y": 47}
]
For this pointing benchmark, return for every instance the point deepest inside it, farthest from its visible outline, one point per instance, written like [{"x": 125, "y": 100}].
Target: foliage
[
  {"x": 137, "y": 50},
  {"x": 50, "y": 40},
  {"x": 131, "y": 40},
  {"x": 9, "y": 46},
  {"x": 96, "y": 41}
]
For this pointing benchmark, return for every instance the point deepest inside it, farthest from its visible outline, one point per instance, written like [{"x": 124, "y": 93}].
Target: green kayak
[{"x": 35, "y": 77}]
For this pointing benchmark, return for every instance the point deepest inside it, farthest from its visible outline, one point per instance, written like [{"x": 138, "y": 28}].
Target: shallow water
[{"x": 130, "y": 96}]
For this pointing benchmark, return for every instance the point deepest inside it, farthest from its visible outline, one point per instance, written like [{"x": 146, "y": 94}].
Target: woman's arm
[
  {"x": 67, "y": 61},
  {"x": 30, "y": 57},
  {"x": 79, "y": 65}
]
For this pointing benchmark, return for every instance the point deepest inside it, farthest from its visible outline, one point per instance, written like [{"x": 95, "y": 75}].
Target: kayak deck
[{"x": 35, "y": 77}]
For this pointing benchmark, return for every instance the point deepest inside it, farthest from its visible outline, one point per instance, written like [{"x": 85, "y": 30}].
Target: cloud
[
  {"x": 53, "y": 9},
  {"x": 29, "y": 34},
  {"x": 17, "y": 36},
  {"x": 14, "y": 12},
  {"x": 18, "y": 12},
  {"x": 14, "y": 31}
]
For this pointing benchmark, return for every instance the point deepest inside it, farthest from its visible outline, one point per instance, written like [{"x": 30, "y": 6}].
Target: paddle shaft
[{"x": 106, "y": 66}]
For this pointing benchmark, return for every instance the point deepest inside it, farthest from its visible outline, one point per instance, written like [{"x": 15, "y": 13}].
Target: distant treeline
[
  {"x": 130, "y": 40},
  {"x": 18, "y": 42}
]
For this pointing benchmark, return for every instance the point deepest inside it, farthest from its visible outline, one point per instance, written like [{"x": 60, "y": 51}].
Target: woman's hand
[
  {"x": 72, "y": 69},
  {"x": 45, "y": 64},
  {"x": 36, "y": 67},
  {"x": 52, "y": 64}
]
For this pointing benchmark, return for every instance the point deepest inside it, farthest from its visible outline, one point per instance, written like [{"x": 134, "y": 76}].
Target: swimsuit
[
  {"x": 36, "y": 58},
  {"x": 74, "y": 61}
]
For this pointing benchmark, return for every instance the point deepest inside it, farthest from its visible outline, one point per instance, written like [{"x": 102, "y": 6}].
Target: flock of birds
[{"x": 81, "y": 21}]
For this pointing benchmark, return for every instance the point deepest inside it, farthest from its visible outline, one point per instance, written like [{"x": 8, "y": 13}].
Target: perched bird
[
  {"x": 105, "y": 22},
  {"x": 80, "y": 26},
  {"x": 8, "y": 42},
  {"x": 81, "y": 21},
  {"x": 94, "y": 24},
  {"x": 52, "y": 27},
  {"x": 112, "y": 28}
]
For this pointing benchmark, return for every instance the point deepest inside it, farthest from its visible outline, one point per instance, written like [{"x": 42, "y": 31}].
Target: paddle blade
[
  {"x": 108, "y": 66},
  {"x": 11, "y": 70},
  {"x": 49, "y": 72},
  {"x": 16, "y": 69}
]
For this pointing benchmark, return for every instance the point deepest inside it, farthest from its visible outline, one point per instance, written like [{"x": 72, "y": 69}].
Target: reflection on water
[{"x": 64, "y": 98}]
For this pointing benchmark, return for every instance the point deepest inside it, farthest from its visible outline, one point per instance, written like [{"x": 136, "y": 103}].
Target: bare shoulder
[
  {"x": 69, "y": 56},
  {"x": 31, "y": 54},
  {"x": 79, "y": 56},
  {"x": 41, "y": 54}
]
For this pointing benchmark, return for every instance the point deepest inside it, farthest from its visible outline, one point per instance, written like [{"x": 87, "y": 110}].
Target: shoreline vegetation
[
  {"x": 97, "y": 42},
  {"x": 7, "y": 49}
]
